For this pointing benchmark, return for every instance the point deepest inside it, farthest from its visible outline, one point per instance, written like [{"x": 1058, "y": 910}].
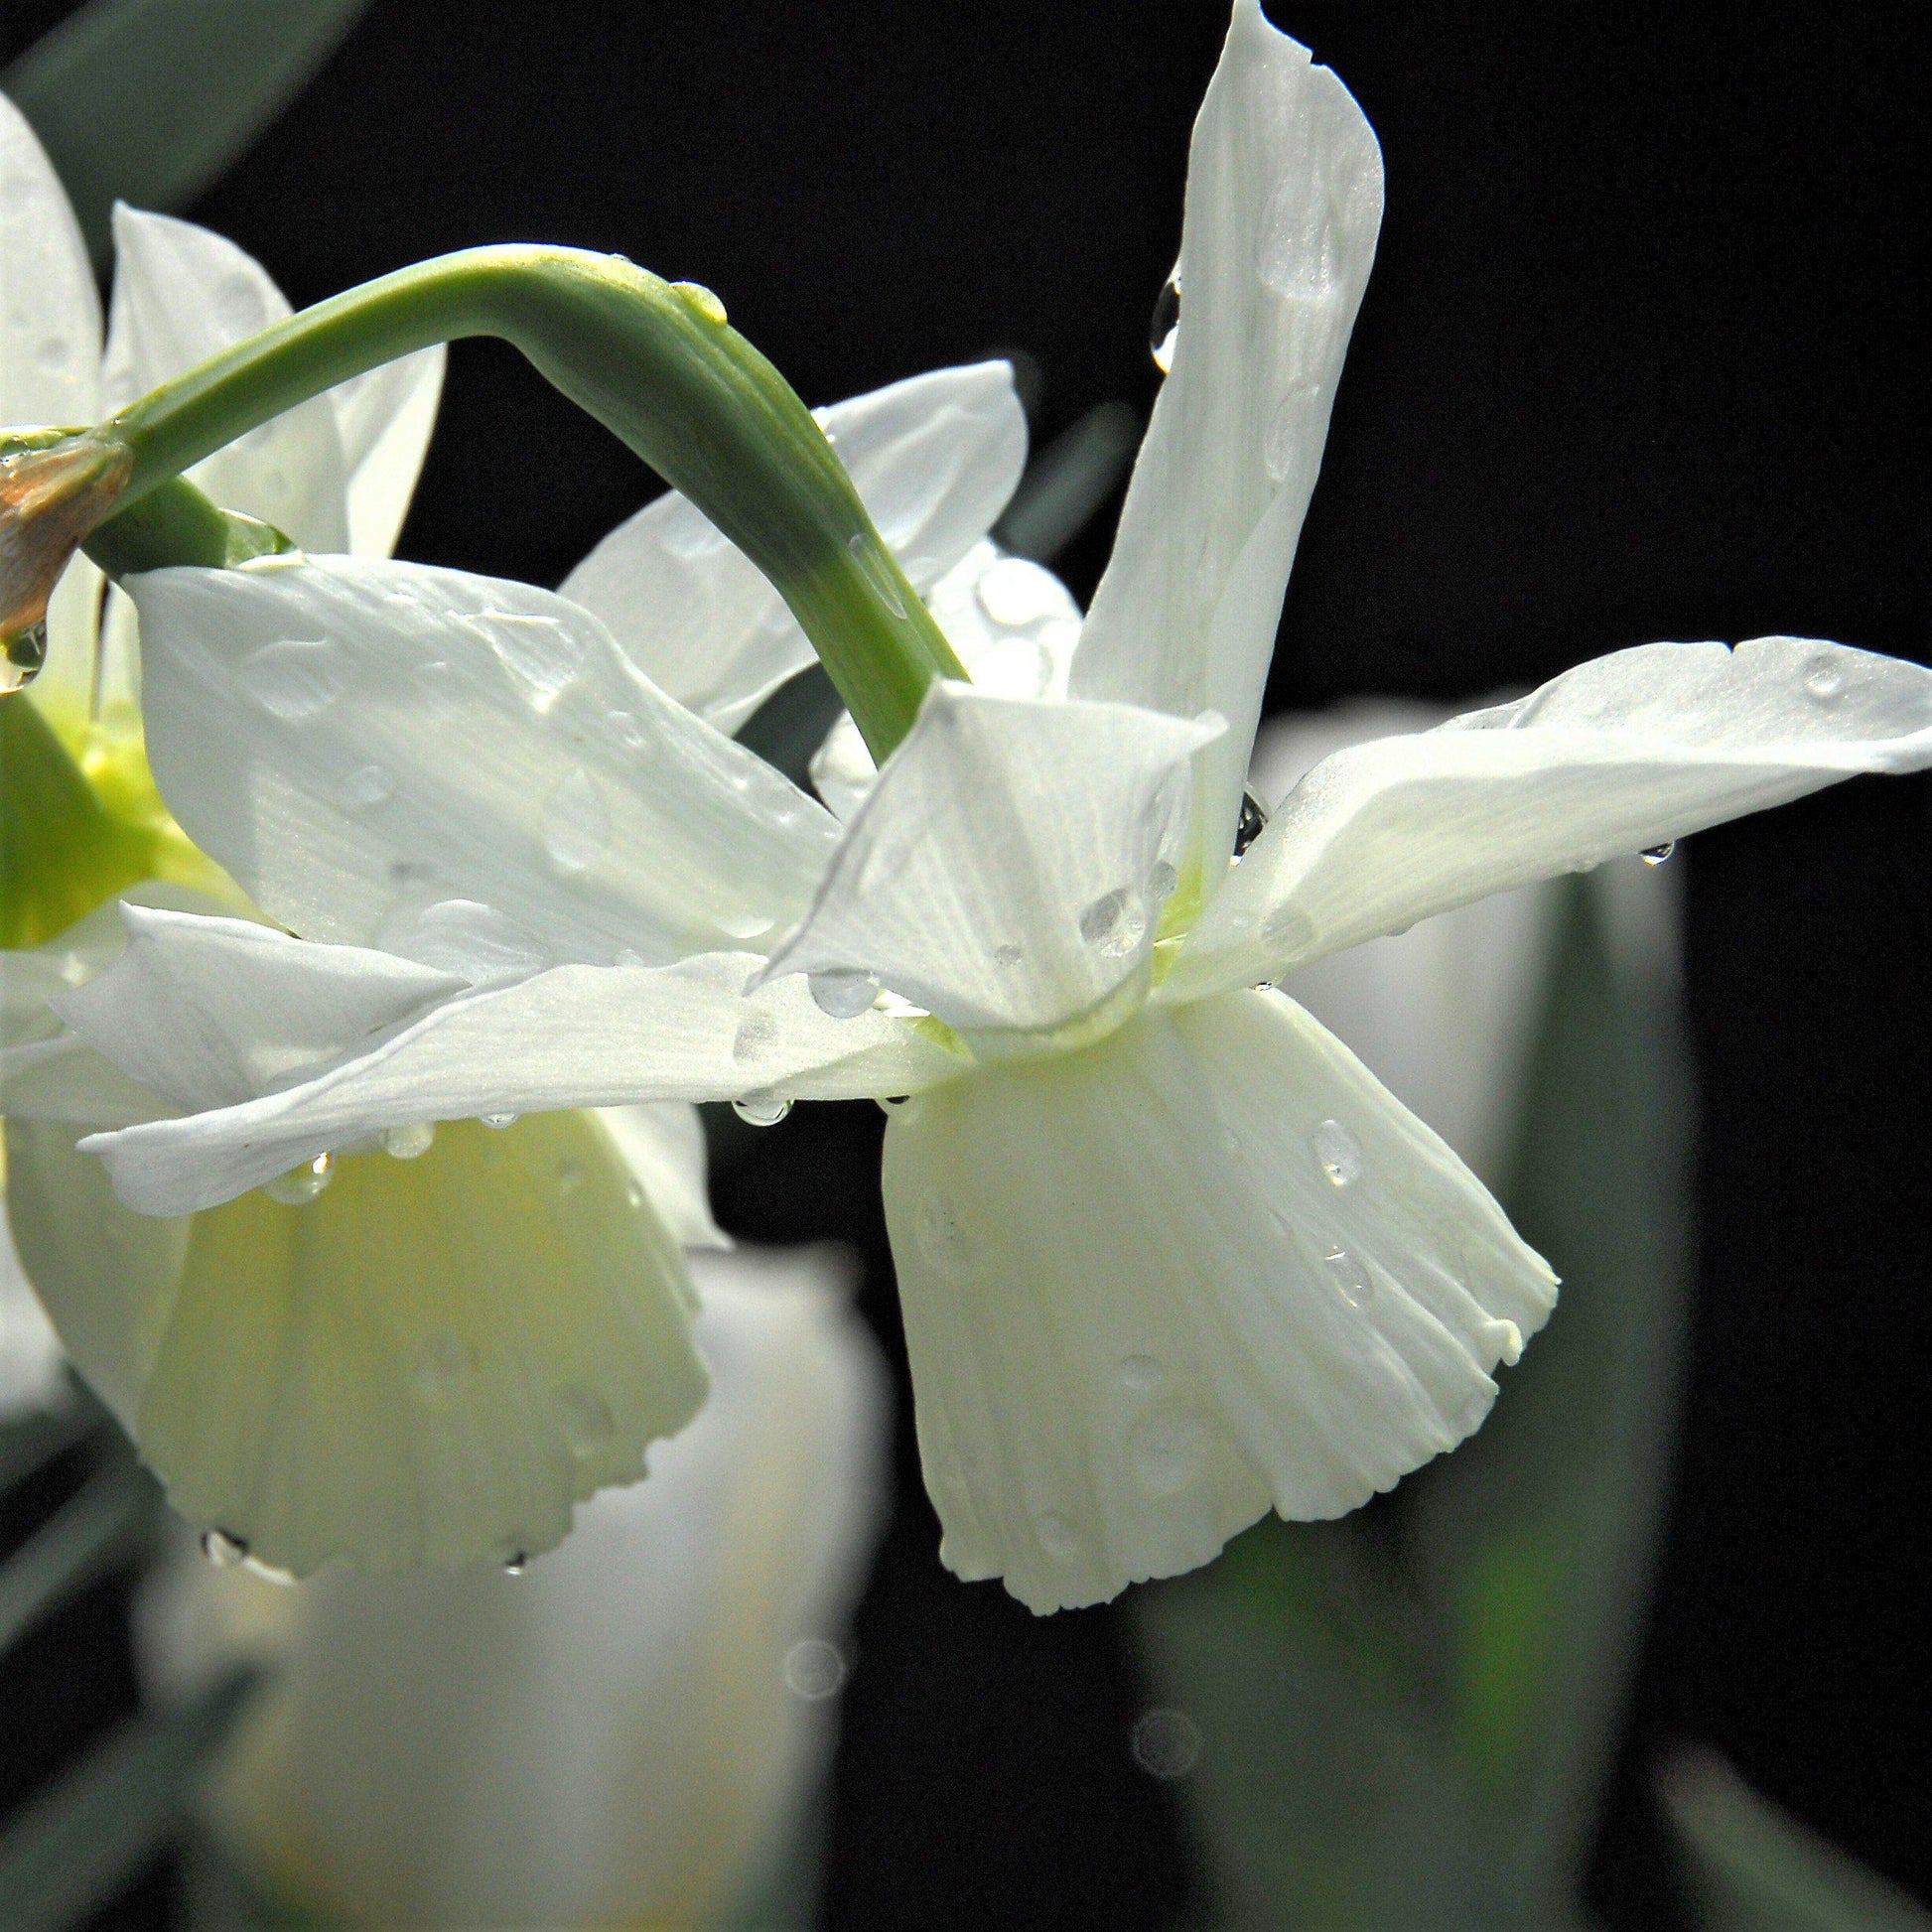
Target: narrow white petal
[
  {"x": 211, "y": 1012},
  {"x": 1009, "y": 869},
  {"x": 578, "y": 1036},
  {"x": 64, "y": 690},
  {"x": 459, "y": 768},
  {"x": 1621, "y": 755},
  {"x": 182, "y": 294},
  {"x": 1283, "y": 203},
  {"x": 934, "y": 458},
  {"x": 50, "y": 314},
  {"x": 664, "y": 1145},
  {"x": 430, "y": 1362},
  {"x": 1141, "y": 1309},
  {"x": 1014, "y": 626},
  {"x": 384, "y": 420},
  {"x": 33, "y": 1364}
]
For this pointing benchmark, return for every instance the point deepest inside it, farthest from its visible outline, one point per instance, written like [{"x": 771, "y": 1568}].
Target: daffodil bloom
[
  {"x": 626, "y": 1736},
  {"x": 1168, "y": 1254}
]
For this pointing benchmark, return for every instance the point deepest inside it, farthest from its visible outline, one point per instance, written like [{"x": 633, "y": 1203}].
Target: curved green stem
[{"x": 658, "y": 364}]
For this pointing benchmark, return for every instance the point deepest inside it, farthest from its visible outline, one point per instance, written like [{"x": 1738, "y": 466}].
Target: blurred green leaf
[
  {"x": 1068, "y": 481},
  {"x": 218, "y": 1897},
  {"x": 32, "y": 1442},
  {"x": 84, "y": 1538},
  {"x": 1752, "y": 1868},
  {"x": 1408, "y": 1715},
  {"x": 150, "y": 101},
  {"x": 79, "y": 1844}
]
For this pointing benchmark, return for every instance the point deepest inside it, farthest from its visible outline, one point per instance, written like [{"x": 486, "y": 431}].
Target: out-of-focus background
[{"x": 1642, "y": 358}]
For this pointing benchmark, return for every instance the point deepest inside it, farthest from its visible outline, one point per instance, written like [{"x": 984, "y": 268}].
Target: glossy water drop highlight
[
  {"x": 762, "y": 1109},
  {"x": 300, "y": 1185},
  {"x": 1164, "y": 326},
  {"x": 1657, "y": 853},
  {"x": 225, "y": 1552},
  {"x": 410, "y": 1142},
  {"x": 1250, "y": 825},
  {"x": 1337, "y": 1153}
]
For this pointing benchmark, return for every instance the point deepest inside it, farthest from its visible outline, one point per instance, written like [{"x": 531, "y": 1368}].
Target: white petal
[
  {"x": 33, "y": 1364},
  {"x": 610, "y": 1740},
  {"x": 372, "y": 747},
  {"x": 934, "y": 458},
  {"x": 214, "y": 1011},
  {"x": 664, "y": 1148},
  {"x": 384, "y": 419},
  {"x": 1014, "y": 626},
  {"x": 578, "y": 1036},
  {"x": 1284, "y": 201},
  {"x": 1623, "y": 753},
  {"x": 182, "y": 294},
  {"x": 430, "y": 1362},
  {"x": 1140, "y": 1310},
  {"x": 50, "y": 314},
  {"x": 1009, "y": 869},
  {"x": 64, "y": 689}
]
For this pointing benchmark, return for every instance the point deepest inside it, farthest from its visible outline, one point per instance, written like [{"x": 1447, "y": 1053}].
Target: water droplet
[
  {"x": 762, "y": 1109},
  {"x": 624, "y": 726},
  {"x": 1140, "y": 1372},
  {"x": 814, "y": 1669},
  {"x": 1250, "y": 825},
  {"x": 500, "y": 1121},
  {"x": 1163, "y": 327},
  {"x": 584, "y": 1417},
  {"x": 754, "y": 1036},
  {"x": 516, "y": 1562},
  {"x": 843, "y": 994},
  {"x": 23, "y": 654},
  {"x": 51, "y": 354},
  {"x": 1058, "y": 1531},
  {"x": 225, "y": 1552},
  {"x": 1167, "y": 1743},
  {"x": 1115, "y": 923},
  {"x": 283, "y": 1579},
  {"x": 444, "y": 1369},
  {"x": 1337, "y": 1153},
  {"x": 1168, "y": 1452},
  {"x": 409, "y": 1142},
  {"x": 1657, "y": 853},
  {"x": 538, "y": 652},
  {"x": 1160, "y": 881},
  {"x": 700, "y": 298},
  {"x": 890, "y": 1103},
  {"x": 1824, "y": 681},
  {"x": 1286, "y": 437},
  {"x": 300, "y": 1185},
  {"x": 1006, "y": 955},
  {"x": 633, "y": 1192},
  {"x": 944, "y": 1239},
  {"x": 576, "y": 823},
  {"x": 877, "y": 574},
  {"x": 629, "y": 957},
  {"x": 293, "y": 678},
  {"x": 463, "y": 936},
  {"x": 1350, "y": 1276},
  {"x": 367, "y": 785}
]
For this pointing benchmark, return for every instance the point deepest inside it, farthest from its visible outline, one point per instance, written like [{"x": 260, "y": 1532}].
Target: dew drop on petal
[
  {"x": 498, "y": 1120},
  {"x": 515, "y": 1560},
  {"x": 1115, "y": 923},
  {"x": 843, "y": 994},
  {"x": 1164, "y": 326},
  {"x": 443, "y": 1370},
  {"x": 282, "y": 1579},
  {"x": 366, "y": 786},
  {"x": 24, "y": 653},
  {"x": 762, "y": 1109},
  {"x": 814, "y": 1669},
  {"x": 1007, "y": 956},
  {"x": 1160, "y": 881},
  {"x": 300, "y": 1185},
  {"x": 700, "y": 298},
  {"x": 892, "y": 1103},
  {"x": 1824, "y": 681},
  {"x": 1058, "y": 1531},
  {"x": 576, "y": 823},
  {"x": 1657, "y": 853},
  {"x": 225, "y": 1552},
  {"x": 1349, "y": 1276},
  {"x": 293, "y": 678},
  {"x": 1250, "y": 825},
  {"x": 584, "y": 1417},
  {"x": 1337, "y": 1153},
  {"x": 865, "y": 555},
  {"x": 1140, "y": 1372},
  {"x": 1168, "y": 1452},
  {"x": 944, "y": 1238},
  {"x": 409, "y": 1142}
]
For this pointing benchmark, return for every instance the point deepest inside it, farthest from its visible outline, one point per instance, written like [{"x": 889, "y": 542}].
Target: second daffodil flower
[{"x": 1168, "y": 1254}]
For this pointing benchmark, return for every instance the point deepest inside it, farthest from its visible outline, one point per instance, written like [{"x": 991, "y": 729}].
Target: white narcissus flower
[
  {"x": 1168, "y": 1254},
  {"x": 625, "y": 1734}
]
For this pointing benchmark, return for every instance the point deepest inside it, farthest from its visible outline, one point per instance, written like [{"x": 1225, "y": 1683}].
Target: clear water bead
[
  {"x": 1115, "y": 923},
  {"x": 300, "y": 1185},
  {"x": 1337, "y": 1153},
  {"x": 843, "y": 994},
  {"x": 576, "y": 823},
  {"x": 22, "y": 656},
  {"x": 1250, "y": 825},
  {"x": 700, "y": 298},
  {"x": 1824, "y": 681},
  {"x": 1167, "y": 1743},
  {"x": 1160, "y": 881},
  {"x": 762, "y": 1109},
  {"x": 498, "y": 1121},
  {"x": 411, "y": 1142},
  {"x": 1349, "y": 1276},
  {"x": 584, "y": 1417},
  {"x": 1657, "y": 853},
  {"x": 1163, "y": 327},
  {"x": 293, "y": 678},
  {"x": 225, "y": 1552},
  {"x": 517, "y": 1562},
  {"x": 814, "y": 1669}
]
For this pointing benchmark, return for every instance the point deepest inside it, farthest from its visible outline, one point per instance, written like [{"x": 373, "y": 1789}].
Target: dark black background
[{"x": 1641, "y": 359}]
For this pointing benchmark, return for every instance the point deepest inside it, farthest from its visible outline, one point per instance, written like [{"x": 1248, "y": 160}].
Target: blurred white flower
[
  {"x": 33, "y": 1368},
  {"x": 630, "y": 1732}
]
